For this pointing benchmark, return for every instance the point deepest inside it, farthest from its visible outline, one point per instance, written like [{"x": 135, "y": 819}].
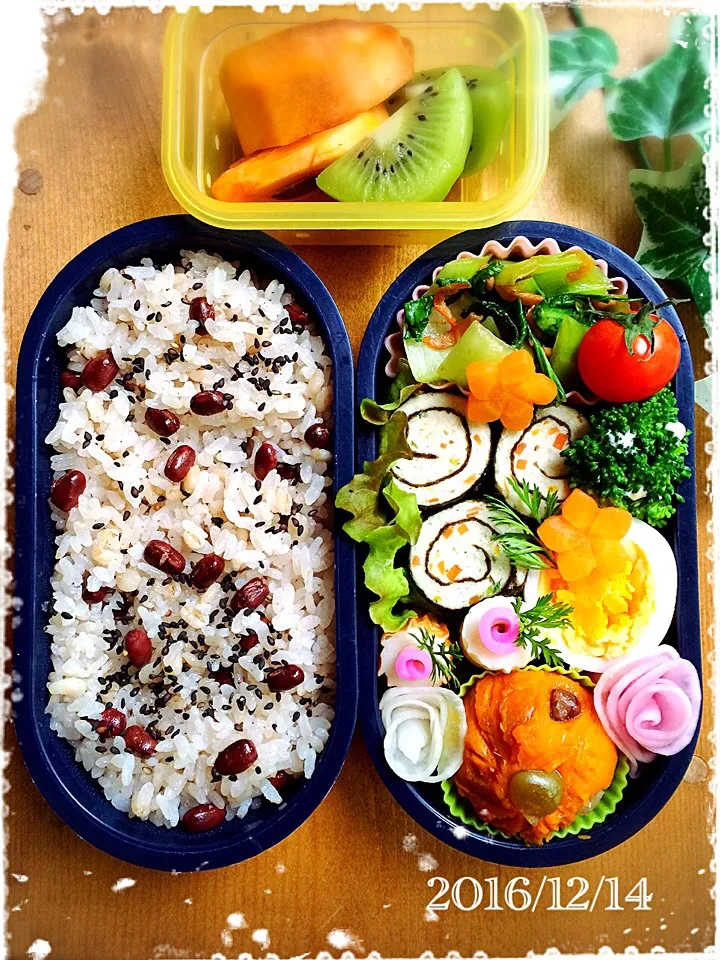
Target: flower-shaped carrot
[
  {"x": 507, "y": 390},
  {"x": 585, "y": 537}
]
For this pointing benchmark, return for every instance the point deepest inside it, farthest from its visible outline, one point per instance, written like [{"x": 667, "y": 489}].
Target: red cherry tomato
[{"x": 619, "y": 374}]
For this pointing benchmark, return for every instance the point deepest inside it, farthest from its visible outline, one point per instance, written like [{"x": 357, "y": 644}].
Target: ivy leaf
[
  {"x": 580, "y": 61},
  {"x": 673, "y": 209},
  {"x": 701, "y": 290},
  {"x": 670, "y": 95}
]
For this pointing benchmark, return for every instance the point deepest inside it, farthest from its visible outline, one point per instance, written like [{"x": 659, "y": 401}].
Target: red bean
[
  {"x": 139, "y": 741},
  {"x": 111, "y": 723},
  {"x": 178, "y": 464},
  {"x": 92, "y": 597},
  {"x": 248, "y": 642},
  {"x": 161, "y": 555},
  {"x": 317, "y": 436},
  {"x": 223, "y": 676},
  {"x": 289, "y": 471},
  {"x": 68, "y": 378},
  {"x": 265, "y": 460},
  {"x": 203, "y": 817},
  {"x": 250, "y": 595},
  {"x": 280, "y": 780},
  {"x": 66, "y": 490},
  {"x": 285, "y": 677},
  {"x": 138, "y": 647},
  {"x": 162, "y": 422},
  {"x": 207, "y": 403},
  {"x": 99, "y": 372},
  {"x": 236, "y": 758},
  {"x": 200, "y": 312},
  {"x": 296, "y": 313},
  {"x": 207, "y": 570}
]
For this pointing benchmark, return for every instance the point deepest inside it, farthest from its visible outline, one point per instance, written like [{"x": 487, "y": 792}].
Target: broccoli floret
[{"x": 633, "y": 457}]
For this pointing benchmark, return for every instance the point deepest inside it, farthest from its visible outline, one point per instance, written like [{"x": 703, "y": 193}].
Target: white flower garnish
[{"x": 425, "y": 731}]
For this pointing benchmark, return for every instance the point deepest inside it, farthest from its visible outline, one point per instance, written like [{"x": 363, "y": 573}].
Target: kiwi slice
[
  {"x": 490, "y": 100},
  {"x": 416, "y": 154}
]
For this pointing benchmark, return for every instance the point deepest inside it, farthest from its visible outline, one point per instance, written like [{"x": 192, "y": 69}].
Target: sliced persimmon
[
  {"x": 265, "y": 173},
  {"x": 580, "y": 509}
]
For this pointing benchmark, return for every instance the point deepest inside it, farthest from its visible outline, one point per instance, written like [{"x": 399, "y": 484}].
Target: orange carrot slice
[
  {"x": 611, "y": 523},
  {"x": 580, "y": 510},
  {"x": 577, "y": 563},
  {"x": 559, "y": 535}
]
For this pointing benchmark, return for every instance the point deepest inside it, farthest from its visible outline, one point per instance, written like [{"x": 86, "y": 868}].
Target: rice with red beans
[{"x": 275, "y": 375}]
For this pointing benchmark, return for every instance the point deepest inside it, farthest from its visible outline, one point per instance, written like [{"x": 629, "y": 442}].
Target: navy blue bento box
[
  {"x": 64, "y": 783},
  {"x": 643, "y": 797}
]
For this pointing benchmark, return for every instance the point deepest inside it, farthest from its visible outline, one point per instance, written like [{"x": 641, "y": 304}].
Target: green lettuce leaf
[
  {"x": 382, "y": 577},
  {"x": 580, "y": 61},
  {"x": 669, "y": 96},
  {"x": 673, "y": 209},
  {"x": 361, "y": 496},
  {"x": 386, "y": 518},
  {"x": 401, "y": 389}
]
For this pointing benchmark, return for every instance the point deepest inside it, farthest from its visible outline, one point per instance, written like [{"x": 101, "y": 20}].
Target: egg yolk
[{"x": 610, "y": 612}]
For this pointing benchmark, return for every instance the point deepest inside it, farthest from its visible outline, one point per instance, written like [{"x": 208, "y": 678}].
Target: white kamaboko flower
[{"x": 425, "y": 731}]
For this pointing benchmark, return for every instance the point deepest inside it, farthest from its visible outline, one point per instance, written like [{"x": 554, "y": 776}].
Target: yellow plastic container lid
[{"x": 198, "y": 140}]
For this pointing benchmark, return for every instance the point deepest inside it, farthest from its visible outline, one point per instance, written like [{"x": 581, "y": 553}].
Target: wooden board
[{"x": 359, "y": 864}]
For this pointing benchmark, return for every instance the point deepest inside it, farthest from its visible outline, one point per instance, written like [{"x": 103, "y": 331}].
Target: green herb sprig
[
  {"x": 445, "y": 658},
  {"x": 518, "y": 541},
  {"x": 540, "y": 507},
  {"x": 545, "y": 615}
]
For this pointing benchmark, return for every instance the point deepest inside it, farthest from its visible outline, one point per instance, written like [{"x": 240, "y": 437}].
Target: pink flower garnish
[
  {"x": 649, "y": 706},
  {"x": 498, "y": 629},
  {"x": 413, "y": 664}
]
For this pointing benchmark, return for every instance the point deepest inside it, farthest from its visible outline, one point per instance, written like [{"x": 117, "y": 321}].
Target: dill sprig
[
  {"x": 519, "y": 543},
  {"x": 444, "y": 657},
  {"x": 547, "y": 614},
  {"x": 539, "y": 506}
]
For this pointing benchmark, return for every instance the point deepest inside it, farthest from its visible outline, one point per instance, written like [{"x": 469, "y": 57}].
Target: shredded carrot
[
  {"x": 453, "y": 573},
  {"x": 442, "y": 294},
  {"x": 522, "y": 464},
  {"x": 560, "y": 441}
]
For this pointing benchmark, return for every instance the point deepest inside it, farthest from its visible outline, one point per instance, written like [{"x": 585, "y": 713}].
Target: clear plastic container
[{"x": 199, "y": 142}]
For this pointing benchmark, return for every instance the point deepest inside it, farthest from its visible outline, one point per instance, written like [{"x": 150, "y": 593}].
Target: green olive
[{"x": 535, "y": 793}]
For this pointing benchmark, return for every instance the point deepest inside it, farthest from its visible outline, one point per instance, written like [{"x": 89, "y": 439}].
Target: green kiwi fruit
[
  {"x": 490, "y": 100},
  {"x": 416, "y": 154}
]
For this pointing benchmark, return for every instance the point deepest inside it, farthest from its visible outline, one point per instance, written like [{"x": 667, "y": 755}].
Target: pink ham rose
[{"x": 649, "y": 706}]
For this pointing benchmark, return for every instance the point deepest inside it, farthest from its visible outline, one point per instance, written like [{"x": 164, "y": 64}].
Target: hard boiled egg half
[{"x": 613, "y": 615}]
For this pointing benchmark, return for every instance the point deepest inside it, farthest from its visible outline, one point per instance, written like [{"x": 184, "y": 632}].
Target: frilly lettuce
[{"x": 386, "y": 518}]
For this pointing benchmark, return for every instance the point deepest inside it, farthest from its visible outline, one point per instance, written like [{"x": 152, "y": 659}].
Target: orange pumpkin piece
[
  {"x": 511, "y": 729},
  {"x": 264, "y": 174},
  {"x": 296, "y": 82}
]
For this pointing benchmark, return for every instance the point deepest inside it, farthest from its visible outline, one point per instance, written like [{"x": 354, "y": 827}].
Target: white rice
[{"x": 279, "y": 530}]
